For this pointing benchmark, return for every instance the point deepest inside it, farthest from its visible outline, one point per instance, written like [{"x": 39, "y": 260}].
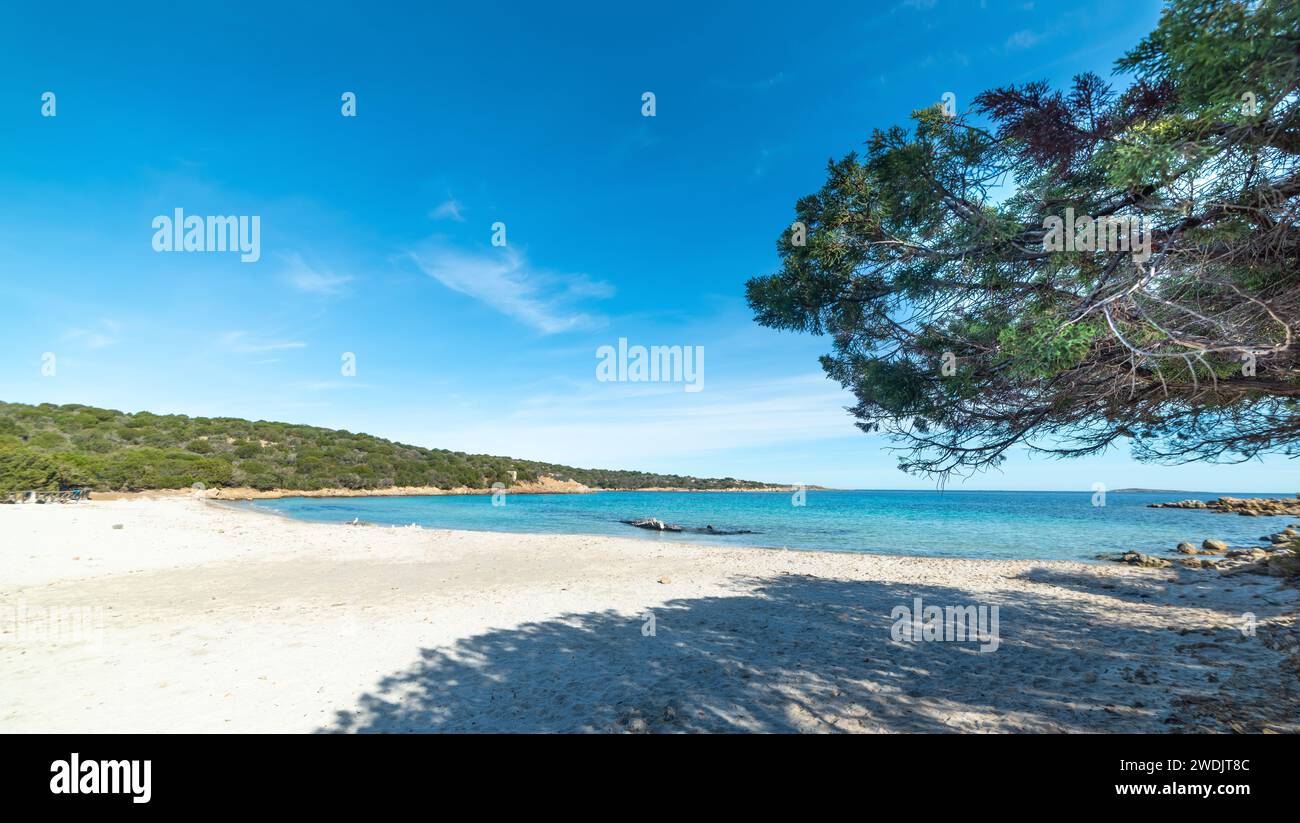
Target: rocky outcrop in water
[
  {"x": 1244, "y": 506},
  {"x": 1137, "y": 559},
  {"x": 654, "y": 524}
]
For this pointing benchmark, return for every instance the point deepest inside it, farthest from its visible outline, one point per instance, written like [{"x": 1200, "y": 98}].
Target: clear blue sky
[{"x": 375, "y": 230}]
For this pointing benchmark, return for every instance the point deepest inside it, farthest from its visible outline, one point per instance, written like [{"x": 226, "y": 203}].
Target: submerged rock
[
  {"x": 653, "y": 524},
  {"x": 711, "y": 530}
]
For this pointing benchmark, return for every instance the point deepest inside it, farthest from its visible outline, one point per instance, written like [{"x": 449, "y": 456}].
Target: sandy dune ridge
[{"x": 198, "y": 617}]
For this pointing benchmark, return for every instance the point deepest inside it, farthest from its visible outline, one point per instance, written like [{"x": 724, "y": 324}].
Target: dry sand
[{"x": 198, "y": 617}]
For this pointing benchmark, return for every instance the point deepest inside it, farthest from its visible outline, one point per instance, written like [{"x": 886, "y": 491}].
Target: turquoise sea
[{"x": 982, "y": 524}]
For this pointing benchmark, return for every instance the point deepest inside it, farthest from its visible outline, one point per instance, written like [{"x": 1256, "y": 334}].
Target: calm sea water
[{"x": 1008, "y": 525}]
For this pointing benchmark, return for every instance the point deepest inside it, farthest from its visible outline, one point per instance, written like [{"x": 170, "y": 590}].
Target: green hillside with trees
[{"x": 49, "y": 447}]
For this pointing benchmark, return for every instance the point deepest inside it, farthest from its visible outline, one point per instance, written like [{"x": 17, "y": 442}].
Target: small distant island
[{"x": 1153, "y": 491}]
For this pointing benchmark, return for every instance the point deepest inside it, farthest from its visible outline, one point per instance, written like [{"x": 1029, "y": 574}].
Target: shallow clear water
[{"x": 1008, "y": 525}]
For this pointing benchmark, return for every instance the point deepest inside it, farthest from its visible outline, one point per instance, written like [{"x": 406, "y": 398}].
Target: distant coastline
[
  {"x": 545, "y": 485},
  {"x": 1157, "y": 491},
  {"x": 548, "y": 485}
]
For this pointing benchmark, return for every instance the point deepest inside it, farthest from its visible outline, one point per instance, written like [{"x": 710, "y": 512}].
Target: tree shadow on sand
[{"x": 791, "y": 653}]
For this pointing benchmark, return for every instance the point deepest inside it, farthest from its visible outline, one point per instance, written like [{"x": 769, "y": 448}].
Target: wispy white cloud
[
  {"x": 505, "y": 280},
  {"x": 449, "y": 209},
  {"x": 635, "y": 424},
  {"x": 94, "y": 338},
  {"x": 241, "y": 342},
  {"x": 312, "y": 280},
  {"x": 1023, "y": 39}
]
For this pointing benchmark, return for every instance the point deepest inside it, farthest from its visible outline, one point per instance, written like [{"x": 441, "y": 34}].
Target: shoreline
[
  {"x": 642, "y": 535},
  {"x": 1227, "y": 560},
  {"x": 632, "y": 534},
  {"x": 209, "y": 619},
  {"x": 564, "y": 487},
  {"x": 555, "y": 487}
]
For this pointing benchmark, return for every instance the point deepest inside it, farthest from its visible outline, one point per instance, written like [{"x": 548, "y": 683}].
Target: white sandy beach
[{"x": 197, "y": 617}]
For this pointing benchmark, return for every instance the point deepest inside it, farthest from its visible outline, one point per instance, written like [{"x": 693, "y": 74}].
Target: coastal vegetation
[
  {"x": 965, "y": 332},
  {"x": 46, "y": 447}
]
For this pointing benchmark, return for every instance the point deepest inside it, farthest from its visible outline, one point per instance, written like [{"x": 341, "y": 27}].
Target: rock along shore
[{"x": 1244, "y": 506}]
